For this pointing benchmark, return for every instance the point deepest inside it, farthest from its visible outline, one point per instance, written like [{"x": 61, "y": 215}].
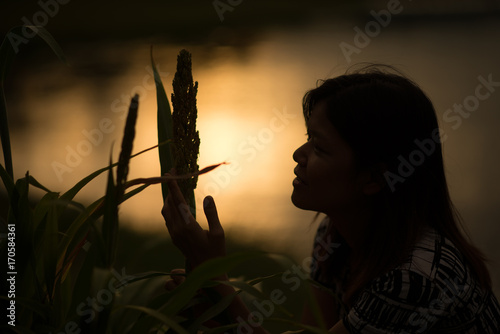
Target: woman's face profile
[{"x": 327, "y": 179}]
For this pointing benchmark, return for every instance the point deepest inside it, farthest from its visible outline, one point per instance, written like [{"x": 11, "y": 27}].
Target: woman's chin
[{"x": 300, "y": 201}]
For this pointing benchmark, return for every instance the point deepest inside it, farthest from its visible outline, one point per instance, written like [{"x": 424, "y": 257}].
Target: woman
[{"x": 373, "y": 164}]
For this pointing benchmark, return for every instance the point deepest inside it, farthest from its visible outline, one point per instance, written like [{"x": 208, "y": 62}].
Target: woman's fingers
[
  {"x": 196, "y": 244},
  {"x": 177, "y": 277},
  {"x": 179, "y": 204}
]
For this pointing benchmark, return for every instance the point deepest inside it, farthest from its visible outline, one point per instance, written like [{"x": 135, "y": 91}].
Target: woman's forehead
[
  {"x": 318, "y": 117},
  {"x": 320, "y": 125}
]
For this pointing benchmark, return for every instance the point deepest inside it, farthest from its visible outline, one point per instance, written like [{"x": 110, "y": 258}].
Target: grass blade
[
  {"x": 205, "y": 272},
  {"x": 165, "y": 127},
  {"x": 37, "y": 184},
  {"x": 110, "y": 219},
  {"x": 71, "y": 193},
  {"x": 4, "y": 134},
  {"x": 212, "y": 312},
  {"x": 251, "y": 290},
  {"x": 140, "y": 277},
  {"x": 165, "y": 178},
  {"x": 50, "y": 41},
  {"x": 7, "y": 180},
  {"x": 309, "y": 329},
  {"x": 172, "y": 323},
  {"x": 222, "y": 329}
]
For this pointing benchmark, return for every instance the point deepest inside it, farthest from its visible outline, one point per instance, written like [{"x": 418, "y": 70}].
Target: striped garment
[{"x": 433, "y": 292}]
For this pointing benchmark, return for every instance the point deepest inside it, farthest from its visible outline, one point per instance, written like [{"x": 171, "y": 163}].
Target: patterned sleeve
[{"x": 401, "y": 301}]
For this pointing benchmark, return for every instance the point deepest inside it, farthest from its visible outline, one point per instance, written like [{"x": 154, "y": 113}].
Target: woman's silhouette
[{"x": 373, "y": 164}]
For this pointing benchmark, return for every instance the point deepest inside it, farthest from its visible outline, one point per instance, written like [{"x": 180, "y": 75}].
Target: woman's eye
[{"x": 317, "y": 147}]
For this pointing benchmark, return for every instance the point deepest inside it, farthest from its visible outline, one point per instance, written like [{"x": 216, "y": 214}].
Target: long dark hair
[{"x": 391, "y": 126}]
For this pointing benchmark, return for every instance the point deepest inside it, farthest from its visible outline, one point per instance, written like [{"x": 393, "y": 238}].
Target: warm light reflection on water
[{"x": 250, "y": 116}]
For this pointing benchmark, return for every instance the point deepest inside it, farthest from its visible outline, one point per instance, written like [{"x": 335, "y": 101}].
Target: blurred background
[{"x": 254, "y": 60}]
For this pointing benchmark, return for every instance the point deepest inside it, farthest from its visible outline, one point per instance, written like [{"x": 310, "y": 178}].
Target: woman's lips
[{"x": 298, "y": 180}]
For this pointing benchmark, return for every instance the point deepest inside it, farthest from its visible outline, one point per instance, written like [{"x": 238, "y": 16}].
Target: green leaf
[
  {"x": 110, "y": 219},
  {"x": 4, "y": 135},
  {"x": 37, "y": 184},
  {"x": 213, "y": 311},
  {"x": 42, "y": 207},
  {"x": 23, "y": 219},
  {"x": 314, "y": 306},
  {"x": 81, "y": 225},
  {"x": 49, "y": 249},
  {"x": 49, "y": 39},
  {"x": 83, "y": 280},
  {"x": 77, "y": 231},
  {"x": 169, "y": 321},
  {"x": 71, "y": 193},
  {"x": 165, "y": 127},
  {"x": 7, "y": 181},
  {"x": 309, "y": 329},
  {"x": 257, "y": 280},
  {"x": 142, "y": 276},
  {"x": 221, "y": 329},
  {"x": 133, "y": 192},
  {"x": 44, "y": 238},
  {"x": 206, "y": 271},
  {"x": 256, "y": 293}
]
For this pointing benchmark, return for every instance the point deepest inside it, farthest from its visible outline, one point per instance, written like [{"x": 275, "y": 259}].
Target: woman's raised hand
[{"x": 197, "y": 245}]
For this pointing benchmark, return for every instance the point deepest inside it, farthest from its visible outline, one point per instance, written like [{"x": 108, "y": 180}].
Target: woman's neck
[{"x": 353, "y": 227}]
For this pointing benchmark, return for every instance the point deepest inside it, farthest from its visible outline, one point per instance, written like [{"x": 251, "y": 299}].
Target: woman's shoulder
[
  {"x": 435, "y": 268},
  {"x": 434, "y": 288},
  {"x": 437, "y": 259}
]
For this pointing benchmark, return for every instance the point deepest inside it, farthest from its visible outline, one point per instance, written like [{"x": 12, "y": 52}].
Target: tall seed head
[{"x": 186, "y": 140}]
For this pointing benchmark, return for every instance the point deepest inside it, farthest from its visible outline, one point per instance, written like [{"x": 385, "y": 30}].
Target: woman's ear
[{"x": 374, "y": 180}]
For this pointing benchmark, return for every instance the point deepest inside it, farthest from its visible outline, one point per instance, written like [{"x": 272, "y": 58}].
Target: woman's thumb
[{"x": 210, "y": 209}]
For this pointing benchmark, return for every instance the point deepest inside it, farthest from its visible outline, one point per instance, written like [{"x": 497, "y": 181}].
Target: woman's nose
[{"x": 299, "y": 155}]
